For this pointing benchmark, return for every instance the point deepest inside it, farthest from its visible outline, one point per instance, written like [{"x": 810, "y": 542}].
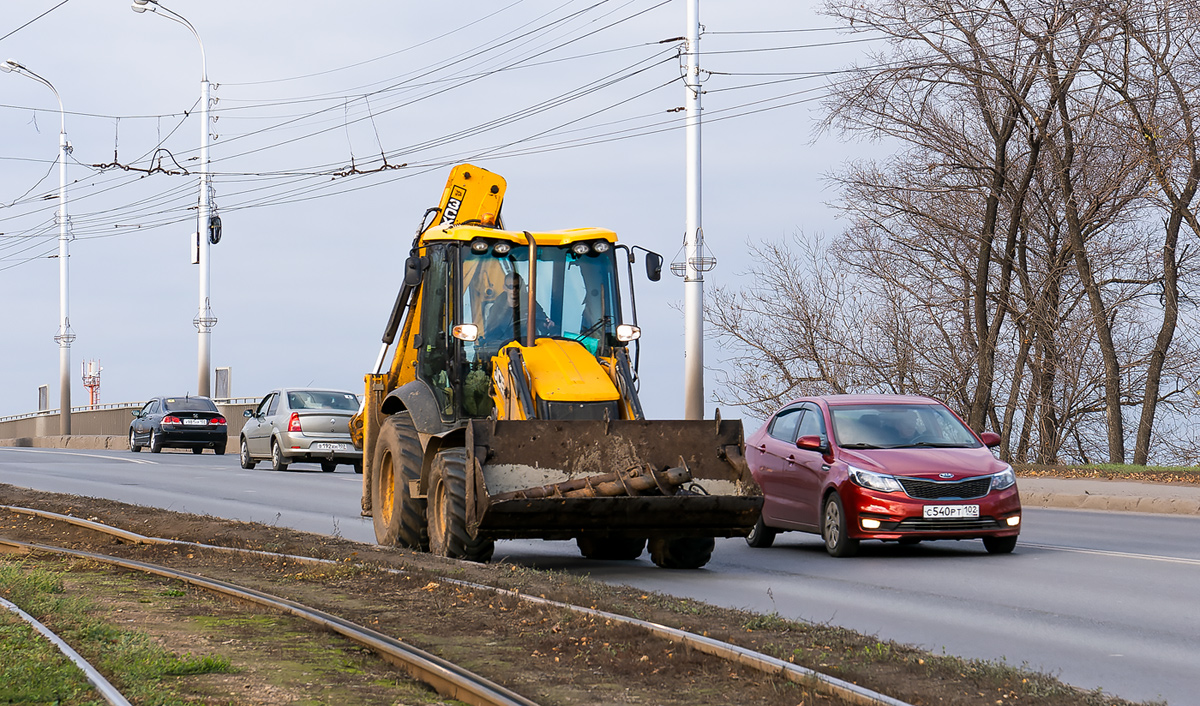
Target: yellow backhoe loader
[{"x": 510, "y": 405}]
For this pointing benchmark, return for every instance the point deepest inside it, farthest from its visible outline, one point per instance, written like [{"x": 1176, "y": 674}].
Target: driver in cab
[{"x": 506, "y": 318}]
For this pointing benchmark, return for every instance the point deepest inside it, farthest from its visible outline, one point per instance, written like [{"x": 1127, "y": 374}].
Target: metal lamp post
[
  {"x": 64, "y": 337},
  {"x": 204, "y": 321}
]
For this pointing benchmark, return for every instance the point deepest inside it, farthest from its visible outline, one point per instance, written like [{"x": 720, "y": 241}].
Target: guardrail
[{"x": 107, "y": 419}]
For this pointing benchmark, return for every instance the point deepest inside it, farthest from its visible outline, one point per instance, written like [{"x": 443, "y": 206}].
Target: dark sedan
[
  {"x": 179, "y": 422},
  {"x": 890, "y": 467}
]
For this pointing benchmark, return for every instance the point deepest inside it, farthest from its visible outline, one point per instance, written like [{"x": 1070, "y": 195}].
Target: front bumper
[{"x": 902, "y": 517}]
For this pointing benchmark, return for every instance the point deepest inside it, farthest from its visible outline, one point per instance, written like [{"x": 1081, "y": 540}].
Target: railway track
[{"x": 445, "y": 677}]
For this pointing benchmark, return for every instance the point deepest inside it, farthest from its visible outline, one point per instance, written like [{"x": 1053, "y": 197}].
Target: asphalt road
[{"x": 1100, "y": 599}]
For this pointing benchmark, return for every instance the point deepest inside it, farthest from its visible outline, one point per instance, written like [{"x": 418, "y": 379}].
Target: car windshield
[
  {"x": 323, "y": 399},
  {"x": 890, "y": 426},
  {"x": 189, "y": 404}
]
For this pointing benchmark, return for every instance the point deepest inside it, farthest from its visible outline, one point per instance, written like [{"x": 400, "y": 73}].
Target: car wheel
[
  {"x": 833, "y": 528},
  {"x": 446, "y": 510},
  {"x": 329, "y": 466},
  {"x": 278, "y": 463},
  {"x": 999, "y": 545},
  {"x": 197, "y": 449},
  {"x": 247, "y": 461},
  {"x": 760, "y": 535},
  {"x": 610, "y": 548},
  {"x": 133, "y": 444},
  {"x": 358, "y": 468},
  {"x": 155, "y": 442},
  {"x": 219, "y": 449},
  {"x": 399, "y": 518}
]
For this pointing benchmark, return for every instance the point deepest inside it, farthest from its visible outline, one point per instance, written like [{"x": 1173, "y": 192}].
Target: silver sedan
[{"x": 296, "y": 425}]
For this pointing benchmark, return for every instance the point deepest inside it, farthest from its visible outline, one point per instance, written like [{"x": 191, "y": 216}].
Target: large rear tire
[
  {"x": 446, "y": 511},
  {"x": 682, "y": 552},
  {"x": 610, "y": 548},
  {"x": 398, "y": 517}
]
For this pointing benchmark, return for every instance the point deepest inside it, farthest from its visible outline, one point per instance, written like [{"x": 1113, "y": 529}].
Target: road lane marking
[
  {"x": 74, "y": 453},
  {"x": 1121, "y": 555}
]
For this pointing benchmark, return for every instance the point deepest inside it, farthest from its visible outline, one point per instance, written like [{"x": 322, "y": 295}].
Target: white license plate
[
  {"x": 328, "y": 446},
  {"x": 937, "y": 512},
  {"x": 196, "y": 422}
]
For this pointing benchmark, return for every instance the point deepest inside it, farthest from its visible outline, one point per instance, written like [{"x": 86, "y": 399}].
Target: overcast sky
[{"x": 571, "y": 101}]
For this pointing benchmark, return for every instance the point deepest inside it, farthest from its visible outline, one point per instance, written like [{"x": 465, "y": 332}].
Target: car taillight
[
  {"x": 294, "y": 422},
  {"x": 171, "y": 420},
  {"x": 217, "y": 420}
]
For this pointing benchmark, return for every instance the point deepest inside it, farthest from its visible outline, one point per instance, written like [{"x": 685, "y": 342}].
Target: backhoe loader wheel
[
  {"x": 399, "y": 518},
  {"x": 610, "y": 548},
  {"x": 447, "y": 510},
  {"x": 682, "y": 552}
]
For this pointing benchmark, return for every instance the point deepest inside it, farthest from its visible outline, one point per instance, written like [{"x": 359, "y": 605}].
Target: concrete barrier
[{"x": 106, "y": 428}]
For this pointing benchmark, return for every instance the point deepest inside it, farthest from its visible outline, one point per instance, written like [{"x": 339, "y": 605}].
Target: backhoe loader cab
[{"x": 510, "y": 407}]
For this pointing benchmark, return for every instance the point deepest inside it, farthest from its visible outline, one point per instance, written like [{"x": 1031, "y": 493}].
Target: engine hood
[{"x": 927, "y": 463}]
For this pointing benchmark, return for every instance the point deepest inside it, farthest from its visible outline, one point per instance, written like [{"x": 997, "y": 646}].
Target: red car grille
[{"x": 946, "y": 490}]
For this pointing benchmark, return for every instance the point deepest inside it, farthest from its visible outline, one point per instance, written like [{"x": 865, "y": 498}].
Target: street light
[
  {"x": 64, "y": 337},
  {"x": 207, "y": 228}
]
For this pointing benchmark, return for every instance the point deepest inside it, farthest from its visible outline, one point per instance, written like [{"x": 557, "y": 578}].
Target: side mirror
[
  {"x": 990, "y": 438},
  {"x": 653, "y": 266},
  {"x": 414, "y": 267},
  {"x": 811, "y": 443},
  {"x": 248, "y": 413},
  {"x": 136, "y": 412}
]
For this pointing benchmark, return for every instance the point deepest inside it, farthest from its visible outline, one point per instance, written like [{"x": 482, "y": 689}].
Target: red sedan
[{"x": 890, "y": 467}]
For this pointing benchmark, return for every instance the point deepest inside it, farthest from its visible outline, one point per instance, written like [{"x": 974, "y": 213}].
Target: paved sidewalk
[{"x": 1096, "y": 494}]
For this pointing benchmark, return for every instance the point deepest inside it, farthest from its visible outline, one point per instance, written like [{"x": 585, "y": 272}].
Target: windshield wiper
[{"x": 862, "y": 446}]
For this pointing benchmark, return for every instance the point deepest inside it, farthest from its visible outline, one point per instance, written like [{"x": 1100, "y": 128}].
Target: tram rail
[{"x": 445, "y": 677}]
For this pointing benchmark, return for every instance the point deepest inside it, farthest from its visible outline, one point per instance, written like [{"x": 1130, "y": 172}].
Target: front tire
[
  {"x": 833, "y": 528},
  {"x": 398, "y": 517},
  {"x": 610, "y": 548},
  {"x": 278, "y": 462},
  {"x": 446, "y": 512},
  {"x": 248, "y": 461},
  {"x": 1000, "y": 545},
  {"x": 133, "y": 444},
  {"x": 681, "y": 552},
  {"x": 760, "y": 535}
]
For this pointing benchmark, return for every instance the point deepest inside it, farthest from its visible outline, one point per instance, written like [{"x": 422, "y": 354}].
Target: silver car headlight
[
  {"x": 874, "y": 481},
  {"x": 1004, "y": 479}
]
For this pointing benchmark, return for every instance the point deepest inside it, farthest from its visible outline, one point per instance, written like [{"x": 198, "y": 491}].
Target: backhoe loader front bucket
[{"x": 555, "y": 479}]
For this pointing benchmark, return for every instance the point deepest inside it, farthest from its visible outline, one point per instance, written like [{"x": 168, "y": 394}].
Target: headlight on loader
[{"x": 628, "y": 332}]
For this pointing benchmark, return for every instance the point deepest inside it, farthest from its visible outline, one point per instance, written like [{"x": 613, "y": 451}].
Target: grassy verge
[
  {"x": 33, "y": 671},
  {"x": 1112, "y": 471}
]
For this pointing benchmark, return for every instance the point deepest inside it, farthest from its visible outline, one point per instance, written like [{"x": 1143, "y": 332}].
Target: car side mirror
[
  {"x": 811, "y": 443},
  {"x": 990, "y": 438},
  {"x": 137, "y": 413},
  {"x": 247, "y": 414}
]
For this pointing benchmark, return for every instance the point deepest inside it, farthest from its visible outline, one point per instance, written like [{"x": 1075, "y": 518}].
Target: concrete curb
[
  {"x": 1114, "y": 503},
  {"x": 69, "y": 442}
]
